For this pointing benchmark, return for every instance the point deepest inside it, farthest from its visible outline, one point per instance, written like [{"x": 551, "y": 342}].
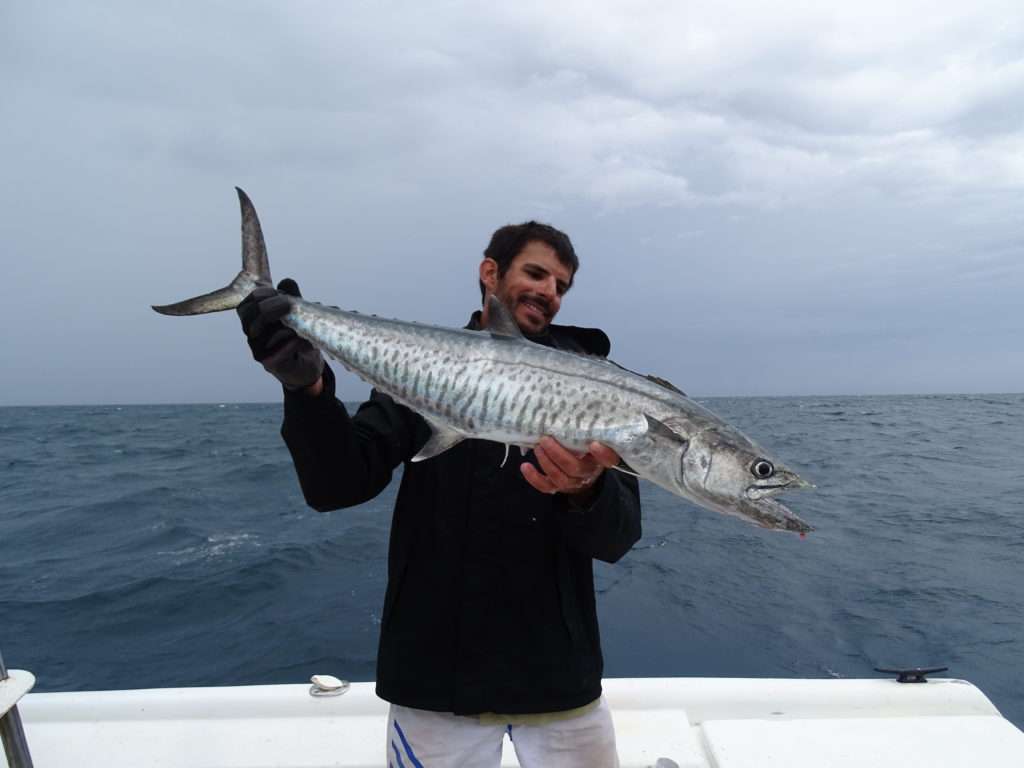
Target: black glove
[{"x": 292, "y": 360}]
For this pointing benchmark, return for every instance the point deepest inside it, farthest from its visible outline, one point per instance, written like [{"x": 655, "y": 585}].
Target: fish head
[{"x": 724, "y": 471}]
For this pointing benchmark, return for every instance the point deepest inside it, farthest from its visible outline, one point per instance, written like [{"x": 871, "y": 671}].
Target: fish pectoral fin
[
  {"x": 441, "y": 439},
  {"x": 661, "y": 429},
  {"x": 500, "y": 319}
]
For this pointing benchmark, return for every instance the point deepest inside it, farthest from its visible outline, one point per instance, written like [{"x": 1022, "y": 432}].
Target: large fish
[{"x": 496, "y": 385}]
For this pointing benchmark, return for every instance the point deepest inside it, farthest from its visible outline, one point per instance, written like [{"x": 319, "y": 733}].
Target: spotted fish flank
[{"x": 496, "y": 385}]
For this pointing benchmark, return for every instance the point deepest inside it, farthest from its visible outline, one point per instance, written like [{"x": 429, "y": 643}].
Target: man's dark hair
[{"x": 508, "y": 241}]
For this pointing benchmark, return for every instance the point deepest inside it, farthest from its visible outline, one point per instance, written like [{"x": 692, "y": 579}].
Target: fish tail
[{"x": 255, "y": 271}]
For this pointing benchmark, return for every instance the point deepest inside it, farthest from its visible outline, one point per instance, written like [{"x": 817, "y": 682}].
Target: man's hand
[
  {"x": 567, "y": 472},
  {"x": 295, "y": 362}
]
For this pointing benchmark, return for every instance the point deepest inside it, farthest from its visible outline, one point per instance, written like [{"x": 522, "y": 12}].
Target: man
[{"x": 489, "y": 623}]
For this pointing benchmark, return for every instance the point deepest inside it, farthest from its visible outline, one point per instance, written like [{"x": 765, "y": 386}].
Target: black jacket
[{"x": 490, "y": 596}]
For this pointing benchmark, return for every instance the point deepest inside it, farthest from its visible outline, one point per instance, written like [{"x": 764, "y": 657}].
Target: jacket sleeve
[
  {"x": 610, "y": 526},
  {"x": 342, "y": 461}
]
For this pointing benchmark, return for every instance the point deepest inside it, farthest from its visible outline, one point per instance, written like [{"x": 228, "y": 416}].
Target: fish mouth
[
  {"x": 756, "y": 492},
  {"x": 786, "y": 481},
  {"x": 770, "y": 514},
  {"x": 763, "y": 511},
  {"x": 757, "y": 506}
]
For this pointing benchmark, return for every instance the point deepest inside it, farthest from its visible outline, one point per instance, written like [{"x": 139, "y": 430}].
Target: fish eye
[{"x": 762, "y": 468}]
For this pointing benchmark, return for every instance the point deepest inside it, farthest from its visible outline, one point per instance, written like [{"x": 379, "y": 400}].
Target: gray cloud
[{"x": 777, "y": 200}]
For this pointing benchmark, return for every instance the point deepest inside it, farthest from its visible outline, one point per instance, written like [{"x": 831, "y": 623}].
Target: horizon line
[{"x": 220, "y": 403}]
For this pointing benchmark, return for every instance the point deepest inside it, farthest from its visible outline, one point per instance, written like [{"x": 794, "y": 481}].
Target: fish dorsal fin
[
  {"x": 500, "y": 318},
  {"x": 661, "y": 429},
  {"x": 441, "y": 439},
  {"x": 665, "y": 383}
]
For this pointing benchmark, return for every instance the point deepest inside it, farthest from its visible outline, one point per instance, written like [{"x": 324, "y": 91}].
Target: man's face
[{"x": 533, "y": 286}]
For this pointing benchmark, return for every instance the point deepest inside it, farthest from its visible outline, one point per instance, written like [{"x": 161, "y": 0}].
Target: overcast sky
[{"x": 767, "y": 198}]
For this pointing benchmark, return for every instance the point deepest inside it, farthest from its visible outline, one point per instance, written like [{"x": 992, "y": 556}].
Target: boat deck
[{"x": 692, "y": 722}]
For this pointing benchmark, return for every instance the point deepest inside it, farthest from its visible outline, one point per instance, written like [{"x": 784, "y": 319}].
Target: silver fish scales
[{"x": 496, "y": 385}]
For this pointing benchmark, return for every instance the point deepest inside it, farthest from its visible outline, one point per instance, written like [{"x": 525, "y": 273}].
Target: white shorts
[{"x": 421, "y": 739}]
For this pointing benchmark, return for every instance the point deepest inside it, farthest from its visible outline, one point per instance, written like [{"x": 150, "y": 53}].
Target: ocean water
[{"x": 146, "y": 546}]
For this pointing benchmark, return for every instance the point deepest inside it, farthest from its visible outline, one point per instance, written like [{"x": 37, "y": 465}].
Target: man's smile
[{"x": 536, "y": 305}]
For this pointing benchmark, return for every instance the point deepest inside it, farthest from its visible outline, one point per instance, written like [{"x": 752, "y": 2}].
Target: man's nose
[{"x": 550, "y": 286}]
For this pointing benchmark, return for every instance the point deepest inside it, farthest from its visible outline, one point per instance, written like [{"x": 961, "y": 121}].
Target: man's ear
[{"x": 489, "y": 274}]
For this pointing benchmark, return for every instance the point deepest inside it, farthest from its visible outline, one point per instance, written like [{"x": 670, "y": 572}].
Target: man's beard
[{"x": 537, "y": 305}]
